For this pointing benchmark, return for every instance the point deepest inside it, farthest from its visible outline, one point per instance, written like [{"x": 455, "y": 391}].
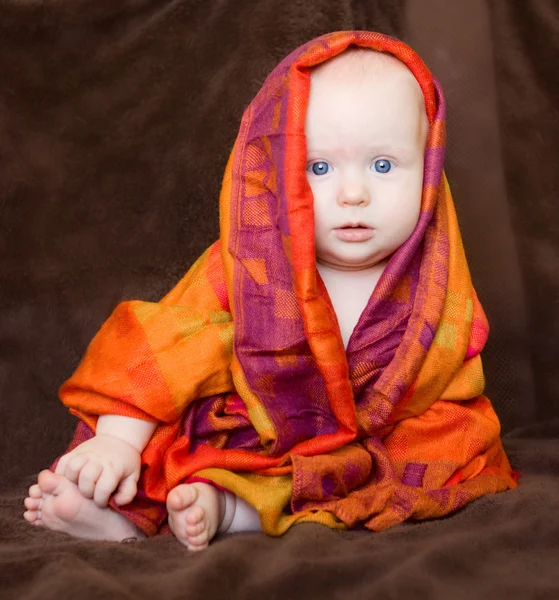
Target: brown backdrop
[{"x": 116, "y": 121}]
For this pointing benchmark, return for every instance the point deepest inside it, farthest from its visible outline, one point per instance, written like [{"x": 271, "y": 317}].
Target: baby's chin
[
  {"x": 355, "y": 256},
  {"x": 353, "y": 263}
]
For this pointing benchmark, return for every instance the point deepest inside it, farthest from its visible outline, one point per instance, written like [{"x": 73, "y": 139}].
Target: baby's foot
[
  {"x": 195, "y": 513},
  {"x": 57, "y": 503}
]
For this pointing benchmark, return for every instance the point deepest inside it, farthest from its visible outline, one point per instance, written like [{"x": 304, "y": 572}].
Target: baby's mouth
[{"x": 354, "y": 232}]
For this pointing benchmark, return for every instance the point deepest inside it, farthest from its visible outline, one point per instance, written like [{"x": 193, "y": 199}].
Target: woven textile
[{"x": 243, "y": 364}]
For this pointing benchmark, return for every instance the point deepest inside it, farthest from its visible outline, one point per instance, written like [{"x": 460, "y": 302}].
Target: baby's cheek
[
  {"x": 410, "y": 225},
  {"x": 400, "y": 227}
]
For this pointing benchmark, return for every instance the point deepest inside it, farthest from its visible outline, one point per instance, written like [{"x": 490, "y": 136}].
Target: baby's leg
[
  {"x": 198, "y": 511},
  {"x": 57, "y": 503}
]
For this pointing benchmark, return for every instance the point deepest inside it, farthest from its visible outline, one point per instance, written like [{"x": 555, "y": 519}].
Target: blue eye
[
  {"x": 382, "y": 165},
  {"x": 319, "y": 167}
]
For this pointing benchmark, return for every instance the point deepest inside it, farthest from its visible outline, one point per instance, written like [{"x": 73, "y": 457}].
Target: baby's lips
[
  {"x": 354, "y": 234},
  {"x": 354, "y": 224}
]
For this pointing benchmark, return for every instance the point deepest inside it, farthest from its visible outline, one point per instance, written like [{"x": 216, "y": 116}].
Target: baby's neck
[{"x": 349, "y": 292}]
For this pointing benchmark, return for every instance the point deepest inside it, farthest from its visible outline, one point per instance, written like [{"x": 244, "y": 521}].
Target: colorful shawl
[{"x": 243, "y": 365}]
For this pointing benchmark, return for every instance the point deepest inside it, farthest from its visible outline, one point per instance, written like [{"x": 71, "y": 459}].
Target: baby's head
[{"x": 366, "y": 131}]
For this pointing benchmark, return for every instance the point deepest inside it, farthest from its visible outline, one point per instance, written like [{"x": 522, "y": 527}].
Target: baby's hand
[{"x": 101, "y": 465}]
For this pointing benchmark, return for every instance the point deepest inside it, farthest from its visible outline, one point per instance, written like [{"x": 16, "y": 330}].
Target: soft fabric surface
[
  {"x": 117, "y": 119},
  {"x": 502, "y": 546}
]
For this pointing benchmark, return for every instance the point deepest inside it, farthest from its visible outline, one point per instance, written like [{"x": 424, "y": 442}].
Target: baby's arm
[{"x": 110, "y": 460}]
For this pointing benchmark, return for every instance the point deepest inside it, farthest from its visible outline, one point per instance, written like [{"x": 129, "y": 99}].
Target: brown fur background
[{"x": 116, "y": 121}]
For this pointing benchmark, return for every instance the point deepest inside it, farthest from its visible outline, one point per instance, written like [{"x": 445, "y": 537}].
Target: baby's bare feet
[
  {"x": 195, "y": 513},
  {"x": 56, "y": 503}
]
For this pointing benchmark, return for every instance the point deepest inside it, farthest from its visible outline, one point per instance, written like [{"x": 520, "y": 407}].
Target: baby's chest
[{"x": 349, "y": 303}]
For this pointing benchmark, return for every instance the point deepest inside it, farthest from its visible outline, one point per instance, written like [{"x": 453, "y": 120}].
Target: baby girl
[{"x": 367, "y": 123}]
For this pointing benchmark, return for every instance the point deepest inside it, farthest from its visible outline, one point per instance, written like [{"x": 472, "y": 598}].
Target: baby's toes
[
  {"x": 35, "y": 491},
  {"x": 195, "y": 530},
  {"x": 33, "y": 503},
  {"x": 194, "y": 515},
  {"x": 181, "y": 497},
  {"x": 198, "y": 542},
  {"x": 32, "y": 516}
]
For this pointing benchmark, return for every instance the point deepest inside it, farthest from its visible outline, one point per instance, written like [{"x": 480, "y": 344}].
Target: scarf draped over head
[{"x": 243, "y": 366}]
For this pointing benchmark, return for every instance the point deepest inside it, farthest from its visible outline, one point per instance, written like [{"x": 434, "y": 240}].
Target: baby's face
[{"x": 365, "y": 149}]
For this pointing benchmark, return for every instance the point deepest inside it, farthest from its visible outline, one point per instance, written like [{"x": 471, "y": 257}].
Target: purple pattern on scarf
[
  {"x": 413, "y": 474},
  {"x": 432, "y": 171},
  {"x": 427, "y": 335}
]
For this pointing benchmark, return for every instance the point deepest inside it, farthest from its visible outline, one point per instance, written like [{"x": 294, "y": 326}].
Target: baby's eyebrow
[
  {"x": 402, "y": 152},
  {"x": 379, "y": 148}
]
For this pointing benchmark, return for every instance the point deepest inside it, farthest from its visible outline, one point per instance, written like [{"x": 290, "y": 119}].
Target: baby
[{"x": 366, "y": 131}]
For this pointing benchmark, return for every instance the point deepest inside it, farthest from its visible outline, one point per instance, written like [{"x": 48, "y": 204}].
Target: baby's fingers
[
  {"x": 71, "y": 468},
  {"x": 105, "y": 486},
  {"x": 126, "y": 490},
  {"x": 89, "y": 475},
  {"x": 61, "y": 464}
]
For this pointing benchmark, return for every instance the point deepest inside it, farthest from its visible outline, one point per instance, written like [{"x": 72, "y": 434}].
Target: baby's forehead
[
  {"x": 359, "y": 64},
  {"x": 367, "y": 71},
  {"x": 363, "y": 92}
]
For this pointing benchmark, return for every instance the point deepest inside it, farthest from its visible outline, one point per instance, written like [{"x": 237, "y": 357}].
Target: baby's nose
[{"x": 354, "y": 192}]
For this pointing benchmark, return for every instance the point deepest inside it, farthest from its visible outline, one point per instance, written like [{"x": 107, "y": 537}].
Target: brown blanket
[
  {"x": 503, "y": 546},
  {"x": 113, "y": 139}
]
